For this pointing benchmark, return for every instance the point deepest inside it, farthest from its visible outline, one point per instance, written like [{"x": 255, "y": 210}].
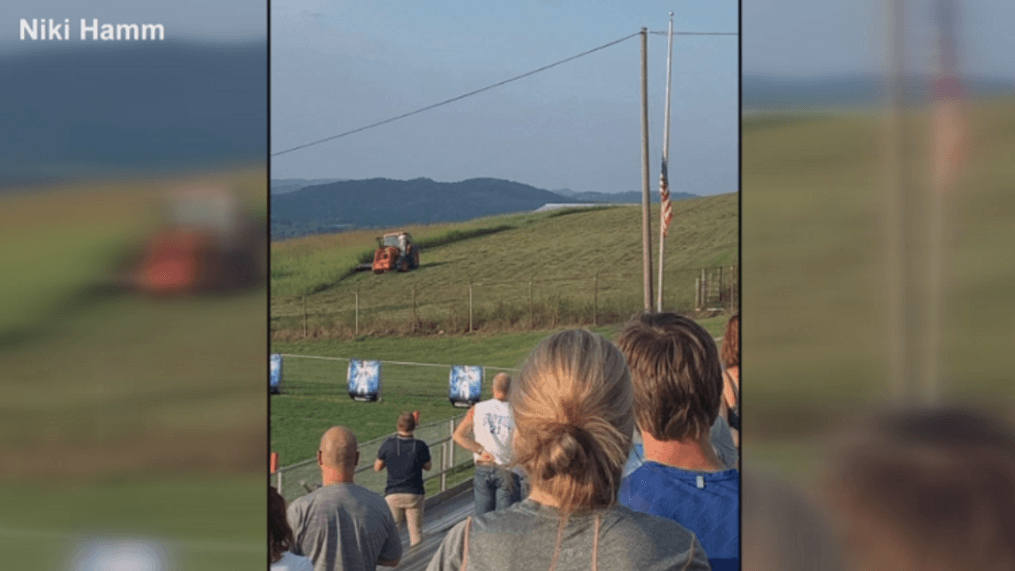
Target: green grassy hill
[
  {"x": 560, "y": 252},
  {"x": 815, "y": 297}
]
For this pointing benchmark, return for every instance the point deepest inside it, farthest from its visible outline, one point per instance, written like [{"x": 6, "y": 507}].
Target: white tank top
[{"x": 492, "y": 427}]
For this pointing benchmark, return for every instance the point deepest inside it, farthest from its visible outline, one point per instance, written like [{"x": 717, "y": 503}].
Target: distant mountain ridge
[
  {"x": 284, "y": 185},
  {"x": 381, "y": 202},
  {"x": 94, "y": 109}
]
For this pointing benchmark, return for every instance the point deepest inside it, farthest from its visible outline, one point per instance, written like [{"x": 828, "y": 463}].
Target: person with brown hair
[
  {"x": 405, "y": 458},
  {"x": 573, "y": 428},
  {"x": 926, "y": 490},
  {"x": 280, "y": 538},
  {"x": 342, "y": 525},
  {"x": 486, "y": 432},
  {"x": 678, "y": 385},
  {"x": 730, "y": 355}
]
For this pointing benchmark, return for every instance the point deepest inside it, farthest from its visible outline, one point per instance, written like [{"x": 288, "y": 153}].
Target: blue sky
[
  {"x": 338, "y": 66},
  {"x": 807, "y": 38}
]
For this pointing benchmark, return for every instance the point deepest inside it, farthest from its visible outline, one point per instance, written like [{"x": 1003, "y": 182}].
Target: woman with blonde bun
[{"x": 572, "y": 405}]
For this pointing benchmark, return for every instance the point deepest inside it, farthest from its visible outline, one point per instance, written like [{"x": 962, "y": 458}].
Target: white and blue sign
[
  {"x": 275, "y": 374},
  {"x": 465, "y": 385},
  {"x": 364, "y": 380}
]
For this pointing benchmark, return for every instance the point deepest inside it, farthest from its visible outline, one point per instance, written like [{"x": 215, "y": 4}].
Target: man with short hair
[
  {"x": 486, "y": 432},
  {"x": 678, "y": 385},
  {"x": 405, "y": 458},
  {"x": 343, "y": 526}
]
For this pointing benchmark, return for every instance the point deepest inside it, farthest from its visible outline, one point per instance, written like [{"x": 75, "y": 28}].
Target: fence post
[
  {"x": 413, "y": 309},
  {"x": 720, "y": 285},
  {"x": 304, "y": 316},
  {"x": 704, "y": 289},
  {"x": 697, "y": 294},
  {"x": 357, "y": 311},
  {"x": 444, "y": 466},
  {"x": 595, "y": 300},
  {"x": 451, "y": 443},
  {"x": 532, "y": 322},
  {"x": 278, "y": 485},
  {"x": 470, "y": 307}
]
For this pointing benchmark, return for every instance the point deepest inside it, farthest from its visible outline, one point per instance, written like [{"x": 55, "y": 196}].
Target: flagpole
[{"x": 663, "y": 222}]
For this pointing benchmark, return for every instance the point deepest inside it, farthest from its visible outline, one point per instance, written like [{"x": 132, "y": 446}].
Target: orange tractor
[
  {"x": 208, "y": 242},
  {"x": 395, "y": 251}
]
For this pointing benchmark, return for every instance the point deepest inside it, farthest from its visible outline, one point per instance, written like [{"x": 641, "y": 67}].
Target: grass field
[
  {"x": 316, "y": 399},
  {"x": 124, "y": 417},
  {"x": 560, "y": 254},
  {"x": 45, "y": 525},
  {"x": 815, "y": 342}
]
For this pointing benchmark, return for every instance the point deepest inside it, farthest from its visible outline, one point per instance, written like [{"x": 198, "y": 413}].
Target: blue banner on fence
[
  {"x": 364, "y": 380},
  {"x": 465, "y": 385},
  {"x": 275, "y": 374}
]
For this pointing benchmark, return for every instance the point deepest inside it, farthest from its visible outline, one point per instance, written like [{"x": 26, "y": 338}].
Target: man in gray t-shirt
[{"x": 342, "y": 526}]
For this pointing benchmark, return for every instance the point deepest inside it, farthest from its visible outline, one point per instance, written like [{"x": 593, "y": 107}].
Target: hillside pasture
[{"x": 584, "y": 267}]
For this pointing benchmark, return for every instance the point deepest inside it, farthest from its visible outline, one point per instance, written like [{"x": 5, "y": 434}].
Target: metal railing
[{"x": 303, "y": 477}]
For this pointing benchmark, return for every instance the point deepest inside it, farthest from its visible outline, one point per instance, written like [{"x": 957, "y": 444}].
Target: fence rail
[
  {"x": 529, "y": 303},
  {"x": 302, "y": 477}
]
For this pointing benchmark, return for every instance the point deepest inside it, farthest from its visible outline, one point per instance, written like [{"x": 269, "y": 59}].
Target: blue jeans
[{"x": 495, "y": 488}]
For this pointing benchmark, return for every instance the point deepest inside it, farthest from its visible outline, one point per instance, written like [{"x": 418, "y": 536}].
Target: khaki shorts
[{"x": 408, "y": 507}]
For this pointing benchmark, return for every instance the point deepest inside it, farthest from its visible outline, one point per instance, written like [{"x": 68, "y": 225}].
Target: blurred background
[
  {"x": 133, "y": 303},
  {"x": 877, "y": 214}
]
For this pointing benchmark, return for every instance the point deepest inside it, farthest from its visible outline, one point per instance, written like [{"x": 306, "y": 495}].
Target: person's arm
[
  {"x": 463, "y": 434},
  {"x": 381, "y": 455},
  {"x": 391, "y": 553}
]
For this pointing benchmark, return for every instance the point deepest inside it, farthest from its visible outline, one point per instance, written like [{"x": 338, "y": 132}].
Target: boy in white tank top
[{"x": 486, "y": 432}]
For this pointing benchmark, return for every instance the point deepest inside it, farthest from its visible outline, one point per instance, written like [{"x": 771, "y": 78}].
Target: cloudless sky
[{"x": 337, "y": 66}]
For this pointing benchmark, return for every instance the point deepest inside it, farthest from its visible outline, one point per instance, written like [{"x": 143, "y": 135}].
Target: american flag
[
  {"x": 666, "y": 214},
  {"x": 950, "y": 144}
]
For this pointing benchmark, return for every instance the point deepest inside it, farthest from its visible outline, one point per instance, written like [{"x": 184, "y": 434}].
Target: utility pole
[{"x": 646, "y": 201}]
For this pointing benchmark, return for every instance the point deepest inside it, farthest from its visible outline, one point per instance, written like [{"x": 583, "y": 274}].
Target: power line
[
  {"x": 453, "y": 99},
  {"x": 697, "y": 33}
]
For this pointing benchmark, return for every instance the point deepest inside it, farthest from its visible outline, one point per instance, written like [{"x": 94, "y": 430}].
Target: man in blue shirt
[
  {"x": 678, "y": 386},
  {"x": 405, "y": 458}
]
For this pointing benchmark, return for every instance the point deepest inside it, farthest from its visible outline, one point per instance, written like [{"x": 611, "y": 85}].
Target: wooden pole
[
  {"x": 357, "y": 311},
  {"x": 595, "y": 300},
  {"x": 646, "y": 237},
  {"x": 304, "y": 316},
  {"x": 470, "y": 307}
]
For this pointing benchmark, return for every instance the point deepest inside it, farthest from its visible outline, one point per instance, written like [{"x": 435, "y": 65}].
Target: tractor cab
[
  {"x": 208, "y": 241},
  {"x": 395, "y": 251}
]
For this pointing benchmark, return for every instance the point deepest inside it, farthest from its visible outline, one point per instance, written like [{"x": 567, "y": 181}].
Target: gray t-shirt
[
  {"x": 344, "y": 527},
  {"x": 722, "y": 441},
  {"x": 523, "y": 537}
]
